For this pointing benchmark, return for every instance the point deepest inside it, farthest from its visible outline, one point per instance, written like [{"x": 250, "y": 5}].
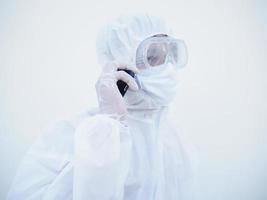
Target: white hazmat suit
[{"x": 128, "y": 148}]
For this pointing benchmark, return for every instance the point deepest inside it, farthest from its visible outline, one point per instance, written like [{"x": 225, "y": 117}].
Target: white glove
[{"x": 109, "y": 97}]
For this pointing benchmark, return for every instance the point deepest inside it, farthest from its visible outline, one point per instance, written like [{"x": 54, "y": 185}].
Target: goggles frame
[{"x": 173, "y": 48}]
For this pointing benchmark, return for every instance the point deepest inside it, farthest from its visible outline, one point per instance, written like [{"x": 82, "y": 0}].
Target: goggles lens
[
  {"x": 156, "y": 51},
  {"x": 156, "y": 54}
]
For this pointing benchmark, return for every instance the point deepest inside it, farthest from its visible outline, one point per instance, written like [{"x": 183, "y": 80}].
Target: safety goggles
[{"x": 161, "y": 49}]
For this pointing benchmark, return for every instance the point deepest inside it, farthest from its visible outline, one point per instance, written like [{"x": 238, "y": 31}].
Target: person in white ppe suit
[{"x": 128, "y": 148}]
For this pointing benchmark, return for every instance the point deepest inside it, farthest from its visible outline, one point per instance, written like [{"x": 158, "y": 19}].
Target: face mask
[{"x": 157, "y": 87}]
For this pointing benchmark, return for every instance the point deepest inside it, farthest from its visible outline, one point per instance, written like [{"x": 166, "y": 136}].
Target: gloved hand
[{"x": 110, "y": 99}]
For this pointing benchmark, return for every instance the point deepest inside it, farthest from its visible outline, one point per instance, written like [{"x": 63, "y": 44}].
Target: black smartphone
[{"x": 123, "y": 87}]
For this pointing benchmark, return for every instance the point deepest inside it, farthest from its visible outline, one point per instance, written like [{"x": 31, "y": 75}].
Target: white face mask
[{"x": 157, "y": 88}]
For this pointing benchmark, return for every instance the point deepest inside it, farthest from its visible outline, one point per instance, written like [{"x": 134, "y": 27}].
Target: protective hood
[{"x": 118, "y": 42}]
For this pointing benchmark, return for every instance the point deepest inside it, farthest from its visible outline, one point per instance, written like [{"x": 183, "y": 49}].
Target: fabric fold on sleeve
[{"x": 101, "y": 158}]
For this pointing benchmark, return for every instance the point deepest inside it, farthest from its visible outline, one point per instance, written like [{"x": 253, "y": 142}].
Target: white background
[{"x": 48, "y": 68}]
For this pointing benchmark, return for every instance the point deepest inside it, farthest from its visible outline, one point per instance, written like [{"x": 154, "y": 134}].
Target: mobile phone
[{"x": 123, "y": 87}]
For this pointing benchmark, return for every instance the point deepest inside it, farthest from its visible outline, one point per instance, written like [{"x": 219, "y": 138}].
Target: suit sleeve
[
  {"x": 46, "y": 169},
  {"x": 89, "y": 161},
  {"x": 102, "y": 153}
]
